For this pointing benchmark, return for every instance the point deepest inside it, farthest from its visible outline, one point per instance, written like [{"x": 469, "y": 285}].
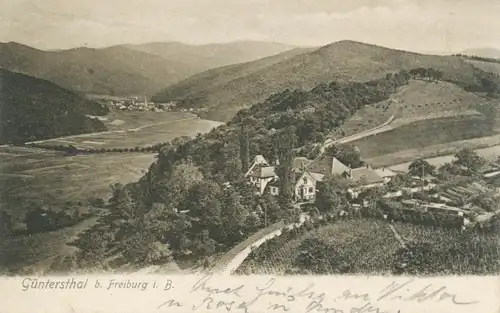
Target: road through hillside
[
  {"x": 378, "y": 129},
  {"x": 239, "y": 258}
]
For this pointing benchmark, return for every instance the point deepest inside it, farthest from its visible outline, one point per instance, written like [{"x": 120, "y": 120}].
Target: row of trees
[
  {"x": 478, "y": 58},
  {"x": 427, "y": 73},
  {"x": 72, "y": 150}
]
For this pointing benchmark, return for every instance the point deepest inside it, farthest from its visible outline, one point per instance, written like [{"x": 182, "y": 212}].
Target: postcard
[{"x": 250, "y": 156}]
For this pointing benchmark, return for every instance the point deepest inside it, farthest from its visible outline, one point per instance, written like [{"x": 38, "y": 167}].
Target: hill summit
[{"x": 240, "y": 86}]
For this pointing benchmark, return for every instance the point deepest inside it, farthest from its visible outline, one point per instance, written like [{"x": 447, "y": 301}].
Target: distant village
[{"x": 138, "y": 104}]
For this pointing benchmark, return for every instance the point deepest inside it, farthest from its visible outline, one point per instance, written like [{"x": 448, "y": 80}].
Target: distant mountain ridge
[
  {"x": 123, "y": 70},
  {"x": 34, "y": 109},
  {"x": 112, "y": 70},
  {"x": 344, "y": 61},
  {"x": 209, "y": 56}
]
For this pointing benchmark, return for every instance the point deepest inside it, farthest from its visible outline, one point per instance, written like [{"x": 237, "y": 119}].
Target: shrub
[{"x": 317, "y": 256}]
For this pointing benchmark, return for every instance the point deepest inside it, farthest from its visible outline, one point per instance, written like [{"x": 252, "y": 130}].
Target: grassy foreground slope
[
  {"x": 370, "y": 247},
  {"x": 340, "y": 61}
]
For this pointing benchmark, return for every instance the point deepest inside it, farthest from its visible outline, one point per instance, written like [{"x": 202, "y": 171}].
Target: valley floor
[{"x": 37, "y": 175}]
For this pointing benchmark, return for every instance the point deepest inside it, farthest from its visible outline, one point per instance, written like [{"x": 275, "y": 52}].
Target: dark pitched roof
[
  {"x": 327, "y": 165},
  {"x": 263, "y": 171},
  {"x": 273, "y": 183},
  {"x": 298, "y": 161},
  {"x": 365, "y": 176}
]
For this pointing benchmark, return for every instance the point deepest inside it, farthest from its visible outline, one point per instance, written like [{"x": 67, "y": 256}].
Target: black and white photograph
[{"x": 256, "y": 137}]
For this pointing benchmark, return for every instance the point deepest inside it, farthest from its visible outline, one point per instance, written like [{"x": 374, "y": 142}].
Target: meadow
[
  {"x": 424, "y": 133},
  {"x": 53, "y": 178},
  {"x": 122, "y": 120},
  {"x": 486, "y": 66},
  {"x": 416, "y": 101},
  {"x": 487, "y": 147},
  {"x": 130, "y": 130}
]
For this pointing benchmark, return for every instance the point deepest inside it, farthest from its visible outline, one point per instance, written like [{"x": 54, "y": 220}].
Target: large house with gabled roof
[
  {"x": 260, "y": 173},
  {"x": 309, "y": 172}
]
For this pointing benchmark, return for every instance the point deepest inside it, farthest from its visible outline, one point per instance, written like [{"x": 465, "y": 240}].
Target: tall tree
[
  {"x": 244, "y": 149},
  {"x": 5, "y": 224},
  {"x": 234, "y": 216},
  {"x": 286, "y": 142},
  {"x": 469, "y": 159},
  {"x": 421, "y": 168},
  {"x": 331, "y": 196}
]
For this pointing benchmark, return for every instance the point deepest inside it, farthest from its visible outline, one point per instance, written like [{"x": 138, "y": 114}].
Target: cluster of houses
[
  {"x": 308, "y": 173},
  {"x": 135, "y": 104}
]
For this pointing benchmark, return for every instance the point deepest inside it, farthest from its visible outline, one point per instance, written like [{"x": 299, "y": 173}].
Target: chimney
[{"x": 350, "y": 171}]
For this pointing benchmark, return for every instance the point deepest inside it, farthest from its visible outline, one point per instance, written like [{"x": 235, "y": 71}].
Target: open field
[
  {"x": 424, "y": 133},
  {"x": 416, "y": 101},
  {"x": 486, "y": 66},
  {"x": 123, "y": 120},
  {"x": 133, "y": 130},
  {"x": 371, "y": 247},
  {"x": 488, "y": 147},
  {"x": 490, "y": 153},
  {"x": 55, "y": 178}
]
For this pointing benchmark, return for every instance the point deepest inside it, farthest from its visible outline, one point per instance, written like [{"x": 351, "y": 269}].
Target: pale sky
[{"x": 418, "y": 25}]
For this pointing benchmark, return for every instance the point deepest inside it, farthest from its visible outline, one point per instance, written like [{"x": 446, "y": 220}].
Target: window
[
  {"x": 310, "y": 189},
  {"x": 305, "y": 181}
]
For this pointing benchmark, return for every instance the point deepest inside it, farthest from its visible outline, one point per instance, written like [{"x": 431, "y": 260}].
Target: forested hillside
[{"x": 33, "y": 109}]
